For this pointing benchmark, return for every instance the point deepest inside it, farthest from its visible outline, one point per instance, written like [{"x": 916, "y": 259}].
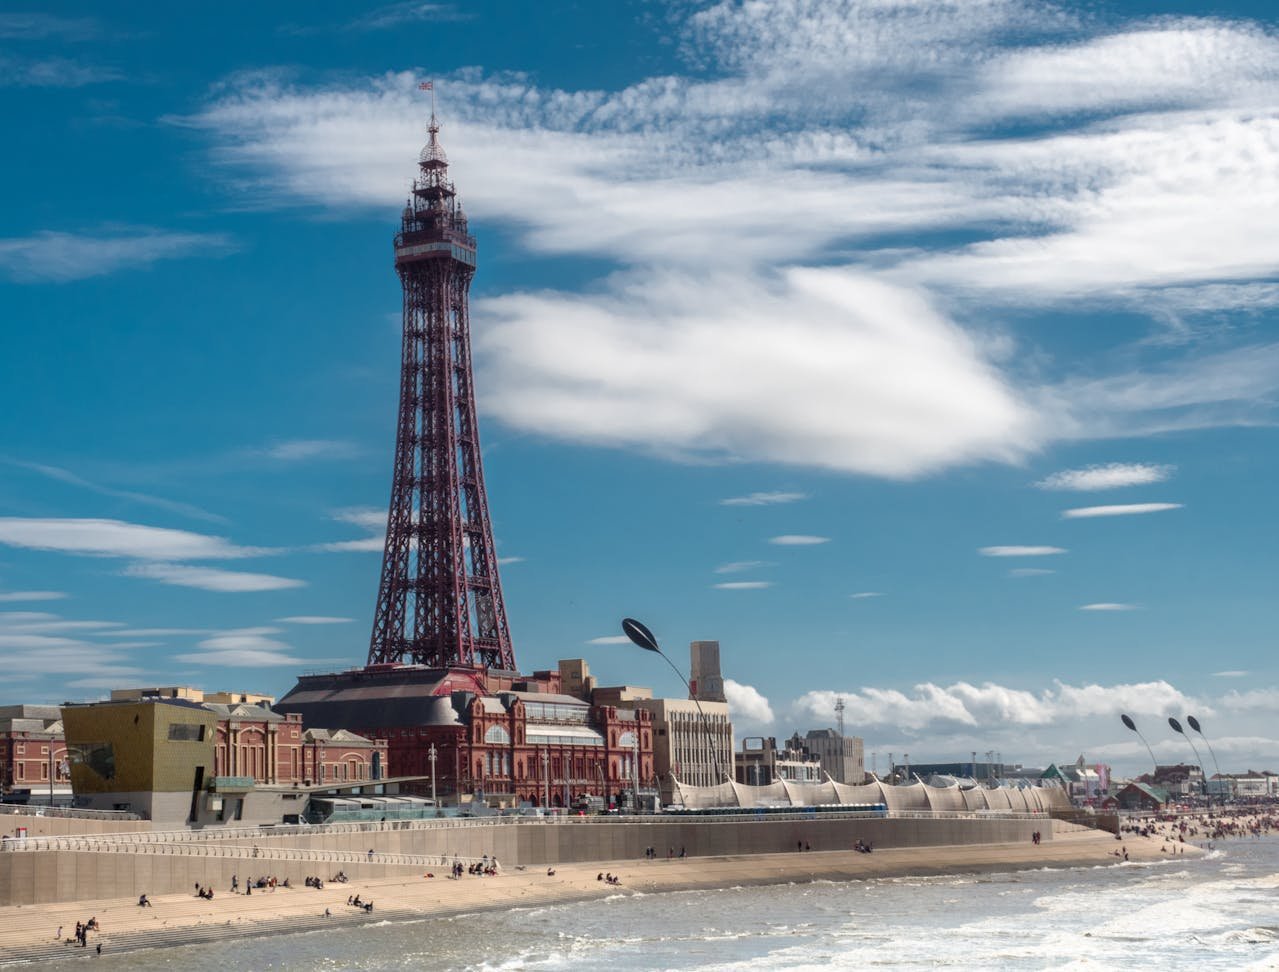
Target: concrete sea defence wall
[{"x": 87, "y": 868}]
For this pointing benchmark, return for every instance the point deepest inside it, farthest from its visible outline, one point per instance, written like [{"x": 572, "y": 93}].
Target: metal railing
[
  {"x": 239, "y": 852},
  {"x": 29, "y": 810},
  {"x": 244, "y": 841}
]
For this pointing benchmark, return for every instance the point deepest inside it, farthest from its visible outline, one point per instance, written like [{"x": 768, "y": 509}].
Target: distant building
[
  {"x": 761, "y": 762},
  {"x": 697, "y": 752},
  {"x": 503, "y": 739},
  {"x": 841, "y": 757},
  {"x": 33, "y": 754},
  {"x": 177, "y": 760},
  {"x": 1138, "y": 796},
  {"x": 1179, "y": 779},
  {"x": 705, "y": 682}
]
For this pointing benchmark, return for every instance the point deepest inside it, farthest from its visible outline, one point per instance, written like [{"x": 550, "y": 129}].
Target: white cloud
[
  {"x": 1020, "y": 551},
  {"x": 742, "y": 585},
  {"x": 763, "y": 499},
  {"x": 244, "y": 647},
  {"x": 1109, "y": 476},
  {"x": 1232, "y": 673},
  {"x": 11, "y": 596},
  {"x": 864, "y": 595},
  {"x": 864, "y": 378},
  {"x": 737, "y": 566},
  {"x": 1266, "y": 699},
  {"x": 610, "y": 640},
  {"x": 1126, "y": 509},
  {"x": 798, "y": 540},
  {"x": 365, "y": 517},
  {"x": 745, "y": 703},
  {"x": 66, "y": 476},
  {"x": 503, "y": 561},
  {"x": 1030, "y": 572},
  {"x": 116, "y": 538},
  {"x": 314, "y": 619},
  {"x": 1109, "y": 606},
  {"x": 1137, "y": 166},
  {"x": 39, "y": 621},
  {"x": 59, "y": 257},
  {"x": 298, "y": 450},
  {"x": 962, "y": 704},
  {"x": 211, "y": 578}
]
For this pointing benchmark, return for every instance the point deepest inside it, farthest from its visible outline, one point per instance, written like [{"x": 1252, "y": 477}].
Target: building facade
[
  {"x": 177, "y": 759},
  {"x": 504, "y": 740},
  {"x": 697, "y": 752},
  {"x": 841, "y": 757},
  {"x": 33, "y": 755},
  {"x": 705, "y": 682}
]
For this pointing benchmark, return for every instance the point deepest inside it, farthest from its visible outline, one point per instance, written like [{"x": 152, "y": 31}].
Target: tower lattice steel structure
[{"x": 439, "y": 601}]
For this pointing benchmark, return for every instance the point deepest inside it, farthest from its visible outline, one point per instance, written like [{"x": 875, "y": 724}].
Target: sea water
[{"x": 1217, "y": 912}]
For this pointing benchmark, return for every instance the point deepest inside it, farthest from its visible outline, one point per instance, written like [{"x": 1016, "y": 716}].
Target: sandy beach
[{"x": 27, "y": 933}]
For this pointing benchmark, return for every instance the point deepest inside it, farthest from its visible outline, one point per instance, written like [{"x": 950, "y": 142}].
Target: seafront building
[
  {"x": 33, "y": 755},
  {"x": 173, "y": 758},
  {"x": 842, "y": 757}
]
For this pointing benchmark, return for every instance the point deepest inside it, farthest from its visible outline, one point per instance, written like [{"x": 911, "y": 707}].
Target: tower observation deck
[{"x": 439, "y": 600}]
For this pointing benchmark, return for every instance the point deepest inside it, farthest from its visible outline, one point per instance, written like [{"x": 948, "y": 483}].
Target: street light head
[
  {"x": 1129, "y": 723},
  {"x": 640, "y": 635},
  {"x": 1176, "y": 726},
  {"x": 1194, "y": 724}
]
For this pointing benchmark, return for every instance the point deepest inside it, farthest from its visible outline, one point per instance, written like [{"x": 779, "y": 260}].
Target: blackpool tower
[{"x": 439, "y": 602}]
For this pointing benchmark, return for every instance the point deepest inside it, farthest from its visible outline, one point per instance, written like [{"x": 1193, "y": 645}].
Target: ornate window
[{"x": 497, "y": 734}]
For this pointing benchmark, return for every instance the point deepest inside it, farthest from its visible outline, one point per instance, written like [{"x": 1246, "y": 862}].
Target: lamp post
[
  {"x": 635, "y": 773},
  {"x": 546, "y": 778},
  {"x": 1194, "y": 724},
  {"x": 1176, "y": 727},
  {"x": 432, "y": 757},
  {"x": 1133, "y": 726},
  {"x": 641, "y": 637}
]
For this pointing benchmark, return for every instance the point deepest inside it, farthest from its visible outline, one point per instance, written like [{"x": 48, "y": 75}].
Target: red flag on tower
[{"x": 426, "y": 86}]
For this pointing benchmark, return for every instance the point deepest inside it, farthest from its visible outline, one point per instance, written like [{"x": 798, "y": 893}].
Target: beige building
[
  {"x": 701, "y": 755},
  {"x": 704, "y": 679},
  {"x": 842, "y": 757}
]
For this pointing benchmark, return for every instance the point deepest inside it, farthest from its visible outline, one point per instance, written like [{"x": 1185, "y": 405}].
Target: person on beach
[
  {"x": 58, "y": 936},
  {"x": 143, "y": 902},
  {"x": 235, "y": 883}
]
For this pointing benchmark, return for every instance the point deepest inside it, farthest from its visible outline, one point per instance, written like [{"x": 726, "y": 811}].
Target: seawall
[{"x": 93, "y": 869}]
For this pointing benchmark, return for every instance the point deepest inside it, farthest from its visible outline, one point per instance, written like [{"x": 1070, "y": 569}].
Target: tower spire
[{"x": 439, "y": 599}]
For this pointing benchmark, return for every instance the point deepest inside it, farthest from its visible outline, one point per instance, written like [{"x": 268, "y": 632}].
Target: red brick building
[
  {"x": 32, "y": 750},
  {"x": 506, "y": 739}
]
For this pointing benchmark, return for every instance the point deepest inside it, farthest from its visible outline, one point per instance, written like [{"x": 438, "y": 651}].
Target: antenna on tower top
[
  {"x": 430, "y": 86},
  {"x": 839, "y": 714}
]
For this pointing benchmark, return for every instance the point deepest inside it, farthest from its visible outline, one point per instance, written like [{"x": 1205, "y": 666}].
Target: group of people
[
  {"x": 82, "y": 929},
  {"x": 1036, "y": 837},
  {"x": 315, "y": 882},
  {"x": 863, "y": 846},
  {"x": 651, "y": 853},
  {"x": 609, "y": 878},
  {"x": 355, "y": 902},
  {"x": 206, "y": 893},
  {"x": 485, "y": 867}
]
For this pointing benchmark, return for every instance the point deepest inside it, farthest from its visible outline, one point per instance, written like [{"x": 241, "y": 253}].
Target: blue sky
[{"x": 921, "y": 352}]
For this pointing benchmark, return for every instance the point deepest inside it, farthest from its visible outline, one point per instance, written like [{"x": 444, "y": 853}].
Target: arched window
[
  {"x": 497, "y": 734},
  {"x": 626, "y": 740}
]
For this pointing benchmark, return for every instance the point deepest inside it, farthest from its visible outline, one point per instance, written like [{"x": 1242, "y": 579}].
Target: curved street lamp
[
  {"x": 641, "y": 637},
  {"x": 1194, "y": 724},
  {"x": 1133, "y": 726},
  {"x": 1176, "y": 727}
]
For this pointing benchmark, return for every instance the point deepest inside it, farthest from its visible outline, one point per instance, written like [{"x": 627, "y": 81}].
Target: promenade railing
[
  {"x": 245, "y": 839},
  {"x": 26, "y": 810}
]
